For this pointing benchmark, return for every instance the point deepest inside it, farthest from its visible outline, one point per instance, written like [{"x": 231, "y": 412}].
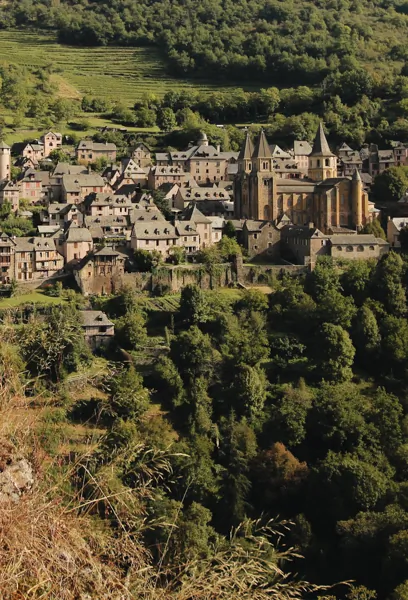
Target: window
[
  {"x": 339, "y": 248},
  {"x": 349, "y": 249},
  {"x": 75, "y": 244},
  {"x": 157, "y": 242},
  {"x": 360, "y": 248},
  {"x": 327, "y": 162},
  {"x": 318, "y": 162},
  {"x": 371, "y": 248},
  {"x": 255, "y": 236}
]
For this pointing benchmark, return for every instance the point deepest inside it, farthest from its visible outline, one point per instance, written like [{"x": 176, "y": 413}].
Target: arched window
[
  {"x": 349, "y": 249},
  {"x": 372, "y": 248},
  {"x": 318, "y": 162},
  {"x": 290, "y": 202},
  {"x": 340, "y": 248},
  {"x": 327, "y": 162},
  {"x": 360, "y": 248}
]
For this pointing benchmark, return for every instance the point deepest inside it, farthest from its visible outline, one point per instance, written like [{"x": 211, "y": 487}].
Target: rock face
[{"x": 16, "y": 474}]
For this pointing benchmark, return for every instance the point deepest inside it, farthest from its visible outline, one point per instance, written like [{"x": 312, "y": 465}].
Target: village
[{"x": 286, "y": 207}]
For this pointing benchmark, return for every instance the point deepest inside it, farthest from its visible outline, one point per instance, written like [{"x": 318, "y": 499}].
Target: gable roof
[
  {"x": 94, "y": 318},
  {"x": 150, "y": 230},
  {"x": 191, "y": 213},
  {"x": 302, "y": 148}
]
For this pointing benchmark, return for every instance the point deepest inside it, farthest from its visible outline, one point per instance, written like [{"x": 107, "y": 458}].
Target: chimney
[{"x": 218, "y": 148}]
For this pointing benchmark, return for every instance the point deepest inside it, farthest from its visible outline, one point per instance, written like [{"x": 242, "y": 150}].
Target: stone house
[
  {"x": 301, "y": 152},
  {"x": 10, "y": 192},
  {"x": 185, "y": 196},
  {"x": 302, "y": 245},
  {"x": 109, "y": 227},
  {"x": 88, "y": 151},
  {"x": 35, "y": 186},
  {"x": 56, "y": 178},
  {"x": 75, "y": 243},
  {"x": 51, "y": 141},
  {"x": 142, "y": 155},
  {"x": 7, "y": 262},
  {"x": 188, "y": 236},
  {"x": 100, "y": 272},
  {"x": 60, "y": 214},
  {"x": 36, "y": 258},
  {"x": 261, "y": 238},
  {"x": 97, "y": 328},
  {"x": 104, "y": 205},
  {"x": 159, "y": 175},
  {"x": 379, "y": 160},
  {"x": 202, "y": 224},
  {"x": 131, "y": 170},
  {"x": 75, "y": 188},
  {"x": 33, "y": 151},
  {"x": 400, "y": 151},
  {"x": 150, "y": 235},
  {"x": 217, "y": 227},
  {"x": 394, "y": 226},
  {"x": 203, "y": 161}
]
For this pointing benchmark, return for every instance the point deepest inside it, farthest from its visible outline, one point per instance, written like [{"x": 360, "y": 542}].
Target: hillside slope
[{"x": 276, "y": 41}]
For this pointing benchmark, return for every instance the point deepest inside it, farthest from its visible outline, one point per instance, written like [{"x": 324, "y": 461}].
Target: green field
[
  {"x": 114, "y": 73},
  {"x": 37, "y": 297}
]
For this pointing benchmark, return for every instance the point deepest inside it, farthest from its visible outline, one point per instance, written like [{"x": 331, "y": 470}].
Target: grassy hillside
[{"x": 123, "y": 74}]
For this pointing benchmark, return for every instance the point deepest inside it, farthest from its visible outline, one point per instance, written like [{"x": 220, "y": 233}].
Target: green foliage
[
  {"x": 128, "y": 398},
  {"x": 193, "y": 305},
  {"x": 374, "y": 227},
  {"x": 337, "y": 353},
  {"x": 229, "y": 230},
  {"x": 130, "y": 330},
  {"x": 391, "y": 184},
  {"x": 145, "y": 261}
]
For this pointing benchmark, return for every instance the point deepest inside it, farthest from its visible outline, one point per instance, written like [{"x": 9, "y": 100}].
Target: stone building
[
  {"x": 5, "y": 161},
  {"x": 142, "y": 155},
  {"x": 261, "y": 238},
  {"x": 154, "y": 235},
  {"x": 10, "y": 192},
  {"x": 97, "y": 328},
  {"x": 204, "y": 162},
  {"x": 321, "y": 198},
  {"x": 88, "y": 151},
  {"x": 100, "y": 272},
  {"x": 51, "y": 141}
]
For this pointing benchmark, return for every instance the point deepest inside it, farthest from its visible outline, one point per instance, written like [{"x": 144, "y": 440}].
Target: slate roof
[
  {"x": 262, "y": 149},
  {"x": 302, "y": 148},
  {"x": 74, "y": 183},
  {"x": 191, "y": 213},
  {"x": 96, "y": 146},
  {"x": 320, "y": 144},
  {"x": 78, "y": 234},
  {"x": 154, "y": 231},
  {"x": 247, "y": 148},
  {"x": 94, "y": 318}
]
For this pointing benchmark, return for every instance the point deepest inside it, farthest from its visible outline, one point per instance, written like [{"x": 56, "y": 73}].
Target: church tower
[
  {"x": 322, "y": 162},
  {"x": 261, "y": 181},
  {"x": 5, "y": 162},
  {"x": 357, "y": 200},
  {"x": 245, "y": 155}
]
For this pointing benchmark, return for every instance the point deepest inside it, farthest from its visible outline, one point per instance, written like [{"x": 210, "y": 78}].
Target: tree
[
  {"x": 162, "y": 204},
  {"x": 194, "y": 356},
  {"x": 366, "y": 335},
  {"x": 229, "y": 230},
  {"x": 390, "y": 185},
  {"x": 374, "y": 227},
  {"x": 388, "y": 284},
  {"x": 356, "y": 279},
  {"x": 403, "y": 239},
  {"x": 59, "y": 155},
  {"x": 166, "y": 119},
  {"x": 131, "y": 331},
  {"x": 145, "y": 261},
  {"x": 290, "y": 413},
  {"x": 249, "y": 393},
  {"x": 336, "y": 352},
  {"x": 193, "y": 306},
  {"x": 128, "y": 399}
]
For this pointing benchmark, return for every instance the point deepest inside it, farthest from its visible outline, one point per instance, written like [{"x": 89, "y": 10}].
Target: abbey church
[{"x": 322, "y": 198}]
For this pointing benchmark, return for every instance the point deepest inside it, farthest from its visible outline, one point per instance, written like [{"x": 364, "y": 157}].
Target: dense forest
[
  {"x": 275, "y": 41},
  {"x": 252, "y": 408}
]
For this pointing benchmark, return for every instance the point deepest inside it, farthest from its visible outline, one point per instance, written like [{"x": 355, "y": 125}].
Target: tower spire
[
  {"x": 262, "y": 149},
  {"x": 320, "y": 144},
  {"x": 247, "y": 148}
]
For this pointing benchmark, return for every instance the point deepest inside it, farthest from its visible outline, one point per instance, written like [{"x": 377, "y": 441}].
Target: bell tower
[
  {"x": 261, "y": 181},
  {"x": 357, "y": 200},
  {"x": 322, "y": 162}
]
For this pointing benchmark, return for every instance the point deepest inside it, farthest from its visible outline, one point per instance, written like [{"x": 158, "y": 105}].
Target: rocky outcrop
[{"x": 16, "y": 473}]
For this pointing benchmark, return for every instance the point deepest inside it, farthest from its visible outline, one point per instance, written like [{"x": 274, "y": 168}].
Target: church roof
[
  {"x": 247, "y": 148},
  {"x": 320, "y": 144},
  {"x": 262, "y": 149}
]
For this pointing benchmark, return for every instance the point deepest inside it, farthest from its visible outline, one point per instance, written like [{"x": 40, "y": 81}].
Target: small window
[
  {"x": 371, "y": 248},
  {"x": 327, "y": 162},
  {"x": 360, "y": 248},
  {"x": 339, "y": 248},
  {"x": 349, "y": 249}
]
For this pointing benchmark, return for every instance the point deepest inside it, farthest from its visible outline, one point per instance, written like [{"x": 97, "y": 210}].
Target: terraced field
[{"x": 115, "y": 73}]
